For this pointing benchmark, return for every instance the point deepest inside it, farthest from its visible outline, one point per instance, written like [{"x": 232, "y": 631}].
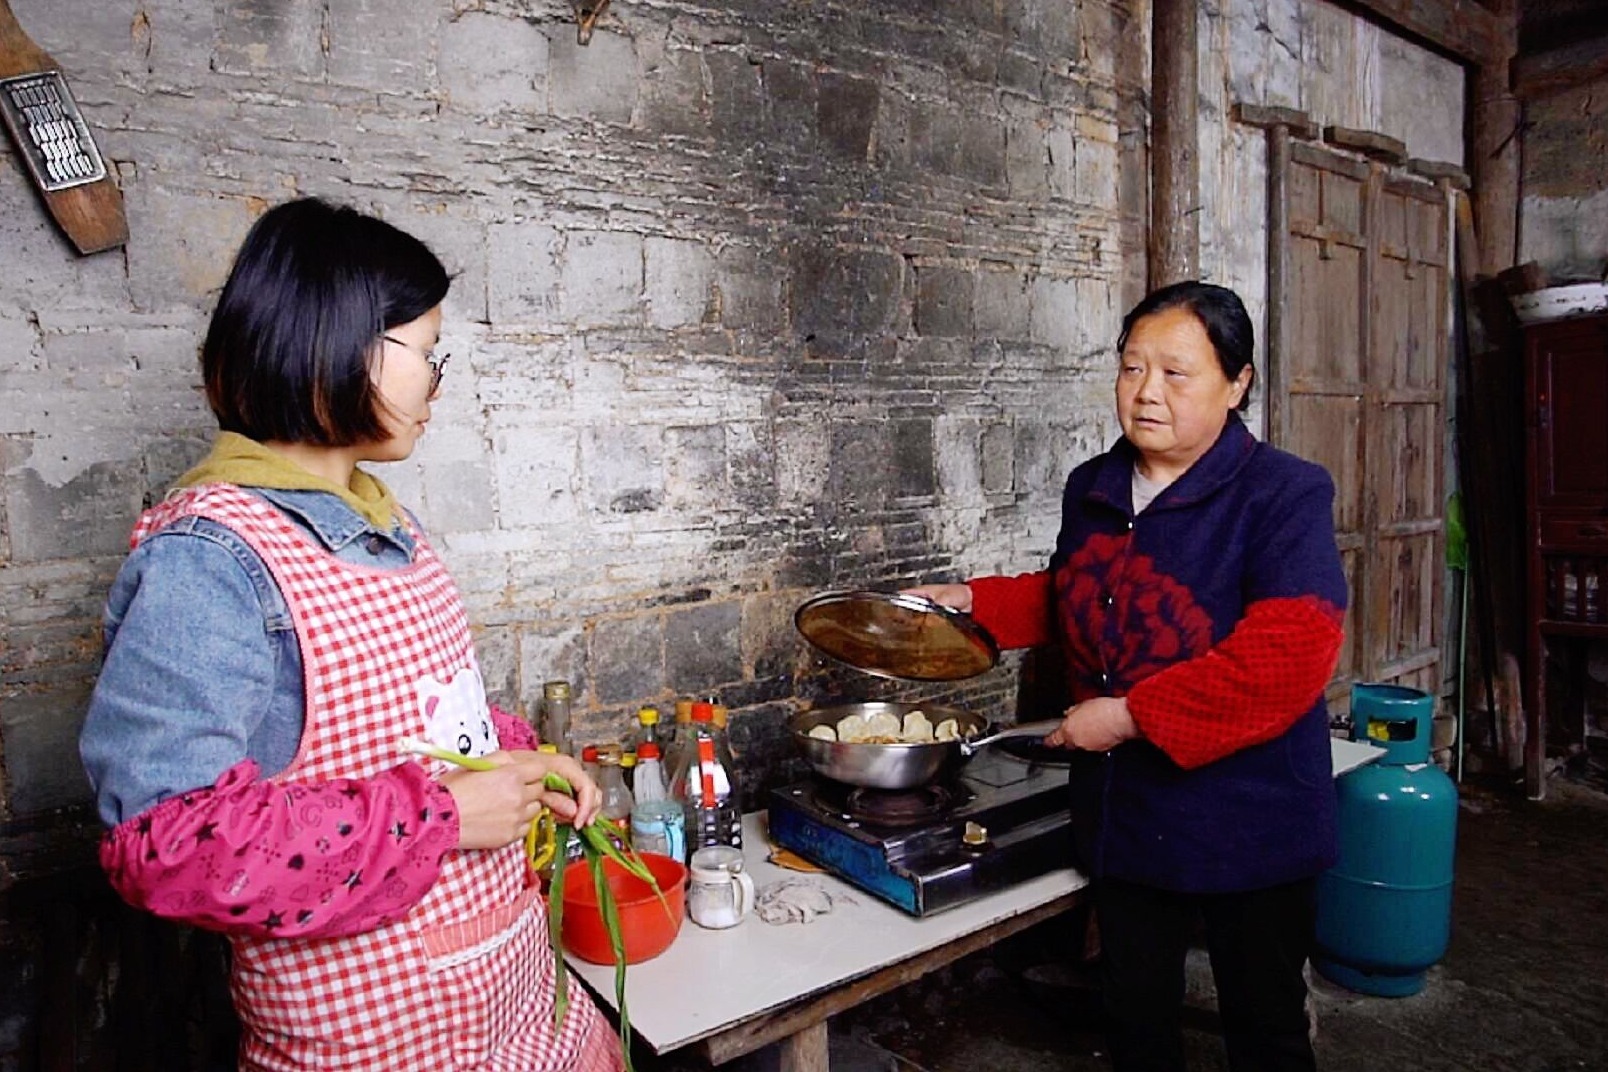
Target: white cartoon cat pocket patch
[{"x": 455, "y": 714}]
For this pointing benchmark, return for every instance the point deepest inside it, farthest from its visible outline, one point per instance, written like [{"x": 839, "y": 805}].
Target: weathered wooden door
[{"x": 1361, "y": 386}]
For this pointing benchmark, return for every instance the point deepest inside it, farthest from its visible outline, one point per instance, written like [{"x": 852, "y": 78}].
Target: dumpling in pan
[
  {"x": 878, "y": 728},
  {"x": 823, "y": 732},
  {"x": 917, "y": 729},
  {"x": 947, "y": 730}
]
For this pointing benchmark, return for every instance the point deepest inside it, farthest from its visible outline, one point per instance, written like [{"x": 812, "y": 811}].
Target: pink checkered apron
[{"x": 466, "y": 979}]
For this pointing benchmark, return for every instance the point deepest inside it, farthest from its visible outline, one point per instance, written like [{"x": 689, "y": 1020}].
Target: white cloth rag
[{"x": 796, "y": 900}]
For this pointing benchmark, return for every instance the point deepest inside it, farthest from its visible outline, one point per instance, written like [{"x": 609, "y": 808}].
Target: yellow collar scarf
[{"x": 247, "y": 463}]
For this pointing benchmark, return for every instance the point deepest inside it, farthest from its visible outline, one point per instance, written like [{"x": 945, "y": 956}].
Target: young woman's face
[
  {"x": 404, "y": 377},
  {"x": 1172, "y": 397}
]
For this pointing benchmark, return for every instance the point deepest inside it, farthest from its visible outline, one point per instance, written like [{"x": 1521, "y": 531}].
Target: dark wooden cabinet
[{"x": 1566, "y": 384}]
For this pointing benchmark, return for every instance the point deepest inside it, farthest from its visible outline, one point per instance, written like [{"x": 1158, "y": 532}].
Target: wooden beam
[
  {"x": 1368, "y": 142},
  {"x": 1542, "y": 74},
  {"x": 1466, "y": 29},
  {"x": 1174, "y": 144}
]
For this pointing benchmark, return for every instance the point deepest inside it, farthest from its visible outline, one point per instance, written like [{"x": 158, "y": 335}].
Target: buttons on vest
[
  {"x": 1108, "y": 600},
  {"x": 374, "y": 544}
]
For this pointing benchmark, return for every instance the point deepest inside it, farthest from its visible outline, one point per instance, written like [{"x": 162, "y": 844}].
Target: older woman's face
[{"x": 1172, "y": 396}]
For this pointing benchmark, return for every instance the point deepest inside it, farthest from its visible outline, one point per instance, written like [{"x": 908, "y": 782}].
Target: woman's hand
[
  {"x": 1096, "y": 725},
  {"x": 954, "y": 596},
  {"x": 496, "y": 807}
]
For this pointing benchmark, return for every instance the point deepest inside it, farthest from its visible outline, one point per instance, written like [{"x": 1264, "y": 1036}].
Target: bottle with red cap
[{"x": 702, "y": 783}]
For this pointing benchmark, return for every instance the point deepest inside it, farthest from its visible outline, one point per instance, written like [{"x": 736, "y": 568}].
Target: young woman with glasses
[{"x": 280, "y": 627}]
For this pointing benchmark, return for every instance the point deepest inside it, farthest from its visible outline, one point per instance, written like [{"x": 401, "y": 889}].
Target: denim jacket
[{"x": 202, "y": 667}]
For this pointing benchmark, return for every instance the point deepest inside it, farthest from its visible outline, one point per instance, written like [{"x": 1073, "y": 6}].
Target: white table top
[{"x": 708, "y": 981}]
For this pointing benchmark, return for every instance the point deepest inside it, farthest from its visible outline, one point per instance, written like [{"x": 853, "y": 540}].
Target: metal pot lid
[{"x": 892, "y": 634}]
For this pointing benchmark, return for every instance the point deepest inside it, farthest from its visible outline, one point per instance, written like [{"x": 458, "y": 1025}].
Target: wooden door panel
[
  {"x": 1409, "y": 480},
  {"x": 1361, "y": 354},
  {"x": 1408, "y": 617},
  {"x": 1327, "y": 429},
  {"x": 1327, "y": 333}
]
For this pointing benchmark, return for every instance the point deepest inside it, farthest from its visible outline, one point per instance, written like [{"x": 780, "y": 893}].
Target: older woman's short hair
[
  {"x": 287, "y": 355},
  {"x": 1219, "y": 311}
]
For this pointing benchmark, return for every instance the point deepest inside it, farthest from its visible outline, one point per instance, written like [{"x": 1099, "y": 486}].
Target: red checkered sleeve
[
  {"x": 1248, "y": 689},
  {"x": 269, "y": 859},
  {"x": 1019, "y": 612},
  {"x": 514, "y": 734}
]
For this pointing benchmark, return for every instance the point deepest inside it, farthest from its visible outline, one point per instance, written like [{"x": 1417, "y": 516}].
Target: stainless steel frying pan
[{"x": 898, "y": 766}]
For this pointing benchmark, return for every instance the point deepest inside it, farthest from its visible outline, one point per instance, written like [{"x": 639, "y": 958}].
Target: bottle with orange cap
[{"x": 703, "y": 786}]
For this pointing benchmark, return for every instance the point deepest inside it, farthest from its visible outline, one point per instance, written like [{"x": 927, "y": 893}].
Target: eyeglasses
[{"x": 438, "y": 365}]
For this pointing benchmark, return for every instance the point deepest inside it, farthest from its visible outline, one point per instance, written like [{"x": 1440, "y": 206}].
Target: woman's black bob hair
[
  {"x": 1219, "y": 311},
  {"x": 288, "y": 352}
]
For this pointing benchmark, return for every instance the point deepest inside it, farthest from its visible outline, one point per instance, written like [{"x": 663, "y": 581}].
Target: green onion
[
  {"x": 600, "y": 840},
  {"x": 555, "y": 928},
  {"x": 414, "y": 746}
]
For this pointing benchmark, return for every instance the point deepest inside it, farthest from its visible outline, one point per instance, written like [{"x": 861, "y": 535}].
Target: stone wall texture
[
  {"x": 1563, "y": 216},
  {"x": 751, "y": 300},
  {"x": 1315, "y": 57}
]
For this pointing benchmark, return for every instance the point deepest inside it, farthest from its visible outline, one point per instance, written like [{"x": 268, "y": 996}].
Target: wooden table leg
[{"x": 806, "y": 1049}]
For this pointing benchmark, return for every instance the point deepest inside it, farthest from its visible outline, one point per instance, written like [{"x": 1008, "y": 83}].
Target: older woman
[{"x": 1197, "y": 594}]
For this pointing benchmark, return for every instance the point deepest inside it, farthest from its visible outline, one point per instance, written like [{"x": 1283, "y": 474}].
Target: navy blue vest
[{"x": 1171, "y": 583}]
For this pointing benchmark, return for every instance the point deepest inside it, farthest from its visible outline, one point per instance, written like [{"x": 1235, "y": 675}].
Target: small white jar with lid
[{"x": 720, "y": 893}]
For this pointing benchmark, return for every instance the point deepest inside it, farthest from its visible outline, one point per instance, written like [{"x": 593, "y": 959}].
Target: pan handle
[{"x": 1025, "y": 729}]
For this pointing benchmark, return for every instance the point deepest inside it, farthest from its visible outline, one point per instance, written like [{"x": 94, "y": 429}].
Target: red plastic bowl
[{"x": 647, "y": 927}]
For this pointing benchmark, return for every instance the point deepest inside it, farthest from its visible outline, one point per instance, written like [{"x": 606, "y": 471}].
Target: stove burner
[{"x": 898, "y": 808}]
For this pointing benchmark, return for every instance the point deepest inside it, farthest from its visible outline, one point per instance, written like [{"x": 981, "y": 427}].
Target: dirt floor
[{"x": 1522, "y": 988}]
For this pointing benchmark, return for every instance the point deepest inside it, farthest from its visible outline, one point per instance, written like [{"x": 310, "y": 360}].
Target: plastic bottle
[
  {"x": 617, "y": 800},
  {"x": 649, "y": 774},
  {"x": 677, "y": 736},
  {"x": 728, "y": 762},
  {"x": 575, "y": 851},
  {"x": 656, "y": 822},
  {"x": 646, "y": 729},
  {"x": 589, "y": 762},
  {"x": 555, "y": 723},
  {"x": 702, "y": 785}
]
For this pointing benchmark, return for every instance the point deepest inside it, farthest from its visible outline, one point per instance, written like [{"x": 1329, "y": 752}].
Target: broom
[{"x": 55, "y": 144}]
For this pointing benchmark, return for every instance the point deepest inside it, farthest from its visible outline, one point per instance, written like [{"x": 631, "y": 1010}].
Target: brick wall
[{"x": 751, "y": 300}]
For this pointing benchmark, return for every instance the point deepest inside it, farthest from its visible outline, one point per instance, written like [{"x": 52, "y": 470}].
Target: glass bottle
[{"x": 555, "y": 724}]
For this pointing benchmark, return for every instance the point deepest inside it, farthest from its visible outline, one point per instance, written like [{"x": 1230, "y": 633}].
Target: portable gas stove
[{"x": 1001, "y": 821}]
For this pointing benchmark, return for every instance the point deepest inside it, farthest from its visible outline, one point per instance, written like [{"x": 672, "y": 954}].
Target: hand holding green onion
[
  {"x": 499, "y": 795},
  {"x": 600, "y": 839}
]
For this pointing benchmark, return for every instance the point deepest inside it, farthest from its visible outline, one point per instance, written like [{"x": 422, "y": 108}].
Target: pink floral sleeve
[
  {"x": 286, "y": 860},
  {"x": 514, "y": 734}
]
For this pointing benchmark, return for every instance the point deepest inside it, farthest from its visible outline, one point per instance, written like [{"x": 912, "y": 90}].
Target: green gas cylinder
[{"x": 1385, "y": 908}]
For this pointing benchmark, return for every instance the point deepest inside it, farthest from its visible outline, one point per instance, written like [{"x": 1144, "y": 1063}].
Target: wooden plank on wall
[{"x": 1466, "y": 29}]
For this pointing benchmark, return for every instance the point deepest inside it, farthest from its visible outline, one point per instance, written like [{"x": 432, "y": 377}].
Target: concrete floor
[{"x": 1523, "y": 986}]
